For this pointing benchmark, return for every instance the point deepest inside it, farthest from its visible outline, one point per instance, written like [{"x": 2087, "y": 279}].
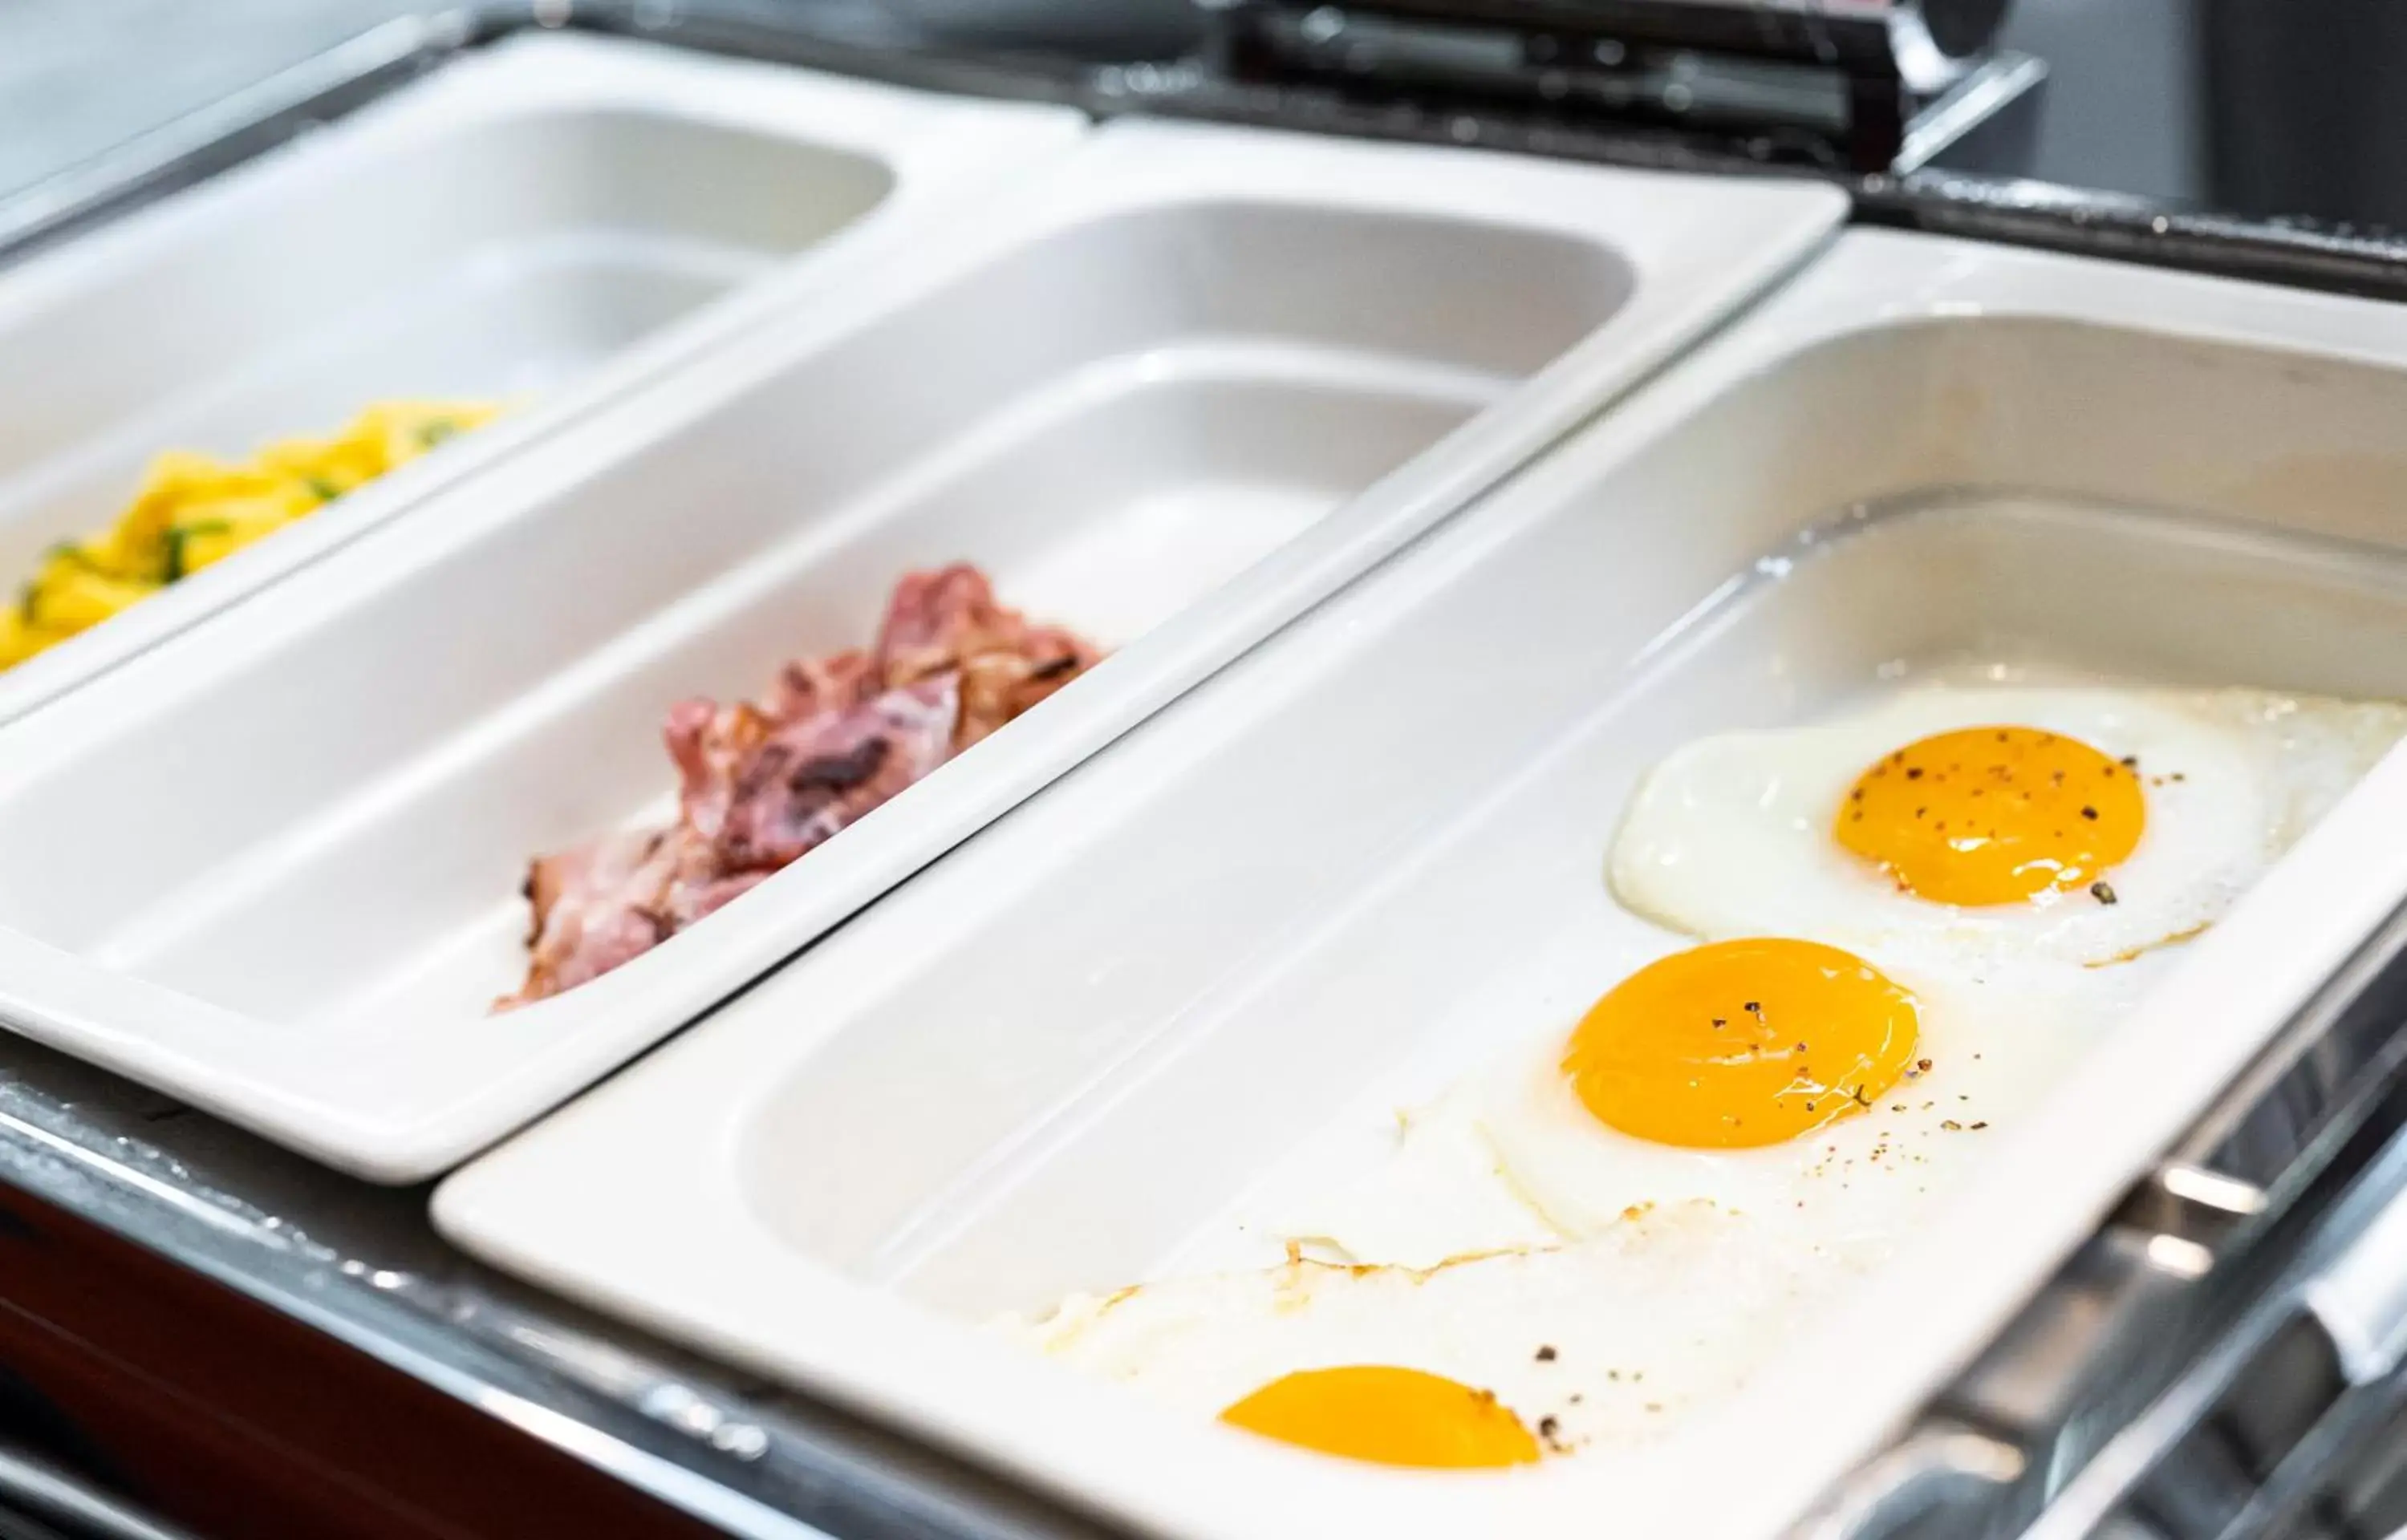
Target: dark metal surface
[
  {"x": 1975, "y": 185},
  {"x": 2300, "y": 253},
  {"x": 1828, "y": 85},
  {"x": 2266, "y": 1437},
  {"x": 42, "y": 1494},
  {"x": 360, "y": 1264}
]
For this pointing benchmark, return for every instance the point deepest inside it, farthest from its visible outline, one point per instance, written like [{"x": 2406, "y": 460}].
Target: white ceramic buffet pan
[
  {"x": 497, "y": 229},
  {"x": 274, "y": 868},
  {"x": 1054, "y": 1060}
]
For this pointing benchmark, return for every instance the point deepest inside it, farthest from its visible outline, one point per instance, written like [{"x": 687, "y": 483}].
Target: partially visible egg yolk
[
  {"x": 1742, "y": 1043},
  {"x": 1993, "y": 816},
  {"x": 1389, "y": 1416}
]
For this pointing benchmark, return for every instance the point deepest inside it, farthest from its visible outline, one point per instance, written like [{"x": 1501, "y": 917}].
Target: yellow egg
[
  {"x": 20, "y": 638},
  {"x": 1742, "y": 1043},
  {"x": 73, "y": 594},
  {"x": 192, "y": 511},
  {"x": 1989, "y": 814},
  {"x": 2087, "y": 824},
  {"x": 1389, "y": 1416}
]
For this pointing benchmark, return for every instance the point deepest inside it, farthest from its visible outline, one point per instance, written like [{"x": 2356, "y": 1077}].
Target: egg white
[
  {"x": 1732, "y": 836},
  {"x": 1986, "y": 1050},
  {"x": 1510, "y": 1158},
  {"x": 1502, "y": 1218},
  {"x": 1609, "y": 1339},
  {"x": 1496, "y": 1217}
]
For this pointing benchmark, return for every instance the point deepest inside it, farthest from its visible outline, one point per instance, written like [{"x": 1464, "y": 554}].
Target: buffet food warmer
[{"x": 1298, "y": 365}]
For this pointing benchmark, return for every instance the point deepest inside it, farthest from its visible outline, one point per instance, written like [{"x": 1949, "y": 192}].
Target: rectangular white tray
[
  {"x": 504, "y": 228},
  {"x": 1184, "y": 362},
  {"x": 1045, "y": 1063}
]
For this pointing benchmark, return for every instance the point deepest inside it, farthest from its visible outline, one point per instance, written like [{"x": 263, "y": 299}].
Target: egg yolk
[
  {"x": 1993, "y": 816},
  {"x": 1389, "y": 1416},
  {"x": 1742, "y": 1043}
]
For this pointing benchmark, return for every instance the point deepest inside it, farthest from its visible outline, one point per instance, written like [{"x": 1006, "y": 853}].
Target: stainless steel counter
[{"x": 360, "y": 1263}]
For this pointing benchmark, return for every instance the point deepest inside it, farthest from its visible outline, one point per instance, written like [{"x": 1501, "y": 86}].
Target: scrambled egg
[{"x": 194, "y": 510}]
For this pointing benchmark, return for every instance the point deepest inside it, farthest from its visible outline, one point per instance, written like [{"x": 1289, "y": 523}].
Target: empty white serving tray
[
  {"x": 1052, "y": 1061},
  {"x": 498, "y": 229},
  {"x": 275, "y": 867}
]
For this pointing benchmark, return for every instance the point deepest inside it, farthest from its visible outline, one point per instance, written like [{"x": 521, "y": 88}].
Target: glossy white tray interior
[
  {"x": 1374, "y": 849},
  {"x": 497, "y": 229},
  {"x": 1176, "y": 355}
]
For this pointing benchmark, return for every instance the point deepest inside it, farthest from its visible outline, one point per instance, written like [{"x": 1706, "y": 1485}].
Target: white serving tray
[
  {"x": 1050, "y": 1061},
  {"x": 1182, "y": 355},
  {"x": 544, "y": 222}
]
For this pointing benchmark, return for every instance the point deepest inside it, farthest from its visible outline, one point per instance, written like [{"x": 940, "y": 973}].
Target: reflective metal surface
[
  {"x": 80, "y": 77},
  {"x": 34, "y": 1491},
  {"x": 360, "y": 1264},
  {"x": 1989, "y": 158},
  {"x": 2172, "y": 1380}
]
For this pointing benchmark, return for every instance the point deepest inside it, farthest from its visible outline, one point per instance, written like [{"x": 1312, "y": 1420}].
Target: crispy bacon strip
[
  {"x": 760, "y": 784},
  {"x": 948, "y": 620},
  {"x": 809, "y": 780}
]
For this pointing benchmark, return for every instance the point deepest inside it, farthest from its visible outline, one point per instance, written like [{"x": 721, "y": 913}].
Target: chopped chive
[
  {"x": 72, "y": 553},
  {"x": 432, "y": 434},
  {"x": 177, "y": 535},
  {"x": 324, "y": 491}
]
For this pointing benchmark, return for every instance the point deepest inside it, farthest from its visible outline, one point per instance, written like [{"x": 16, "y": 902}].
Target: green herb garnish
[
  {"x": 74, "y": 555},
  {"x": 178, "y": 533}
]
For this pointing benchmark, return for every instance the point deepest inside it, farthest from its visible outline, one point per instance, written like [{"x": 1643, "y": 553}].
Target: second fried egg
[{"x": 1836, "y": 1099}]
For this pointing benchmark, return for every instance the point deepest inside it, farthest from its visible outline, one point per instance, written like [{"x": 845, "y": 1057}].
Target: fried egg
[
  {"x": 1480, "y": 1362},
  {"x": 1615, "y": 1221},
  {"x": 1769, "y": 1078},
  {"x": 2087, "y": 825}
]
